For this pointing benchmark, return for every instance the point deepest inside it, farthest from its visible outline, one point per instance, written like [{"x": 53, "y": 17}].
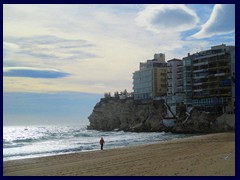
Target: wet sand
[{"x": 205, "y": 155}]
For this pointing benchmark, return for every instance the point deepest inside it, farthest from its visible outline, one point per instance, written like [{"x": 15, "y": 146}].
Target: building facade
[
  {"x": 174, "y": 81},
  {"x": 187, "y": 79},
  {"x": 212, "y": 84},
  {"x": 150, "y": 81},
  {"x": 204, "y": 80},
  {"x": 143, "y": 84}
]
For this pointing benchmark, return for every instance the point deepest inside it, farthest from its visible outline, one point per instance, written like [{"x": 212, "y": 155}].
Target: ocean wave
[
  {"x": 83, "y": 135},
  {"x": 19, "y": 143},
  {"x": 27, "y": 140},
  {"x": 32, "y": 139},
  {"x": 11, "y": 145},
  {"x": 60, "y": 151}
]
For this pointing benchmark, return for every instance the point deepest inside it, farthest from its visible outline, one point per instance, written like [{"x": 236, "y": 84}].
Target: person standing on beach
[{"x": 102, "y": 142}]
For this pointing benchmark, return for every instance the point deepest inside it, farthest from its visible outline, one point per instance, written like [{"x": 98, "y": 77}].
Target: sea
[{"x": 22, "y": 142}]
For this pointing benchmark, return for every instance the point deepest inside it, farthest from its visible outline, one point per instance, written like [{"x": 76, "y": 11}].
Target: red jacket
[{"x": 101, "y": 141}]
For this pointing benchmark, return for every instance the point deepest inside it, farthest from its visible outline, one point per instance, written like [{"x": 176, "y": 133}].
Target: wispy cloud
[
  {"x": 221, "y": 21},
  {"x": 167, "y": 17},
  {"x": 46, "y": 39},
  {"x": 99, "y": 45},
  {"x": 56, "y": 48},
  {"x": 33, "y": 72},
  {"x": 48, "y": 47}
]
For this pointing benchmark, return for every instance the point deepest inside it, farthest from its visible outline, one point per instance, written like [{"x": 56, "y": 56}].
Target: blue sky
[{"x": 58, "y": 60}]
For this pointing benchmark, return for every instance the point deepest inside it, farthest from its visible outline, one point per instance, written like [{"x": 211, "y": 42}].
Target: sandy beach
[{"x": 205, "y": 155}]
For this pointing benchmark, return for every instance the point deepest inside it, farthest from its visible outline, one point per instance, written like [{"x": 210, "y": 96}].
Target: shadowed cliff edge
[{"x": 128, "y": 115}]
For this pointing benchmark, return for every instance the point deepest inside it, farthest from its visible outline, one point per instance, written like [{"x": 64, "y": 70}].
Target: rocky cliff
[{"x": 129, "y": 115}]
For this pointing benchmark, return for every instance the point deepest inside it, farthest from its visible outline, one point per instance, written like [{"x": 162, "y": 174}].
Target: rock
[
  {"x": 130, "y": 115},
  {"x": 203, "y": 122},
  {"x": 226, "y": 122},
  {"x": 127, "y": 115},
  {"x": 181, "y": 112}
]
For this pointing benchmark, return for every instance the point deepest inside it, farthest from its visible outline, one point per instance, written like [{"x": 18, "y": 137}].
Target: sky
[{"x": 59, "y": 60}]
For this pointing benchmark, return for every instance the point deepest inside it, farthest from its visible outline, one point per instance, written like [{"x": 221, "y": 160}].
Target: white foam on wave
[{"x": 22, "y": 142}]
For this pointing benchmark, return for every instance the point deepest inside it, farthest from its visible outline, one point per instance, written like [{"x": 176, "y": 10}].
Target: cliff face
[
  {"x": 203, "y": 122},
  {"x": 127, "y": 115}
]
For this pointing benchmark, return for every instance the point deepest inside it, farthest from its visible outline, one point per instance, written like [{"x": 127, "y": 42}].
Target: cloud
[
  {"x": 33, "y": 72},
  {"x": 46, "y": 39},
  {"x": 166, "y": 17},
  {"x": 10, "y": 46},
  {"x": 100, "y": 45},
  {"x": 48, "y": 47},
  {"x": 221, "y": 21}
]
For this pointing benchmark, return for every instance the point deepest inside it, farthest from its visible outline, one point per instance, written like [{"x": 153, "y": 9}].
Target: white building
[
  {"x": 150, "y": 81},
  {"x": 174, "y": 81}
]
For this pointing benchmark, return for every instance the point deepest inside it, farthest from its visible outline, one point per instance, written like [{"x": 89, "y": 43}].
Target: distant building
[
  {"x": 204, "y": 80},
  {"x": 174, "y": 81},
  {"x": 150, "y": 81},
  {"x": 213, "y": 72},
  {"x": 187, "y": 79},
  {"x": 160, "y": 57}
]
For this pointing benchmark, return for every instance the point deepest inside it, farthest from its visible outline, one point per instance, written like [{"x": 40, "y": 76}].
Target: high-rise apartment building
[
  {"x": 174, "y": 81},
  {"x": 212, "y": 79},
  {"x": 150, "y": 81},
  {"x": 204, "y": 80},
  {"x": 187, "y": 79}
]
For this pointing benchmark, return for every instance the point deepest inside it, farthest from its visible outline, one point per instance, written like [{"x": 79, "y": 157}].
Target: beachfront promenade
[{"x": 212, "y": 154}]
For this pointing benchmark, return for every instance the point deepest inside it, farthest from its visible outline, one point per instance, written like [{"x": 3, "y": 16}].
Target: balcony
[
  {"x": 220, "y": 74},
  {"x": 200, "y": 77},
  {"x": 219, "y": 60},
  {"x": 200, "y": 64},
  {"x": 188, "y": 90},
  {"x": 197, "y": 84},
  {"x": 197, "y": 90},
  {"x": 220, "y": 88},
  {"x": 200, "y": 70},
  {"x": 204, "y": 56}
]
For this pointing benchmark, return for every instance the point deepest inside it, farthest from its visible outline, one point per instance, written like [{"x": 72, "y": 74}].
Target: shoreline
[{"x": 211, "y": 154}]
